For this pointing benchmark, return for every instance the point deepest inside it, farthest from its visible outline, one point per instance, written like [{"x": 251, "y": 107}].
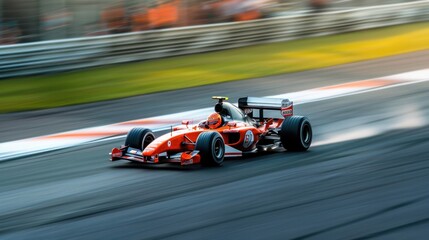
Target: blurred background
[
  {"x": 85, "y": 72},
  {"x": 24, "y": 21}
]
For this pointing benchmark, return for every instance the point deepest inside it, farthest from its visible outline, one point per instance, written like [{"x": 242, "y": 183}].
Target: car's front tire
[
  {"x": 139, "y": 138},
  {"x": 211, "y": 148}
]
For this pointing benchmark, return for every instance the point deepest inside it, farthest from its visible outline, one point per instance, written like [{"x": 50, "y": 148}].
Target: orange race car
[{"x": 229, "y": 131}]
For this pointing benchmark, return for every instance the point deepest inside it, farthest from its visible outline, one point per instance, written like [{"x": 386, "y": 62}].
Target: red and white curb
[{"x": 26, "y": 147}]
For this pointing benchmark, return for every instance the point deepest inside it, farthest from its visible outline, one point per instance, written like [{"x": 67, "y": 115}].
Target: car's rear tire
[
  {"x": 296, "y": 133},
  {"x": 211, "y": 147},
  {"x": 139, "y": 138}
]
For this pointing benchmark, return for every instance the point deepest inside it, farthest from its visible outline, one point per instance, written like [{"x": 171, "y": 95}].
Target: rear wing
[{"x": 248, "y": 104}]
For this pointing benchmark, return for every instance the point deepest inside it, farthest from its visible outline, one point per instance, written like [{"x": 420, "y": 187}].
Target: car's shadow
[
  {"x": 163, "y": 166},
  {"x": 177, "y": 167}
]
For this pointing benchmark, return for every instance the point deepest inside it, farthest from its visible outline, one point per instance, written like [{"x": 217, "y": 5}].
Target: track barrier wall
[{"x": 72, "y": 54}]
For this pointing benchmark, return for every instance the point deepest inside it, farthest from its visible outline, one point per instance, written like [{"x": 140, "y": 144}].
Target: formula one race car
[{"x": 229, "y": 131}]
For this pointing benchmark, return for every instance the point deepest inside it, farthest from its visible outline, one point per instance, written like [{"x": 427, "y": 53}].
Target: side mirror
[
  {"x": 232, "y": 124},
  {"x": 186, "y": 122}
]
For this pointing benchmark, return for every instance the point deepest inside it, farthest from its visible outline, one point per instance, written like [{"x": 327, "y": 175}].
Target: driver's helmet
[{"x": 214, "y": 121}]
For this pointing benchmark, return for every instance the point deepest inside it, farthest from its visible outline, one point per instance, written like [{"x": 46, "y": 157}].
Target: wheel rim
[
  {"x": 306, "y": 134},
  {"x": 218, "y": 149},
  {"x": 147, "y": 140}
]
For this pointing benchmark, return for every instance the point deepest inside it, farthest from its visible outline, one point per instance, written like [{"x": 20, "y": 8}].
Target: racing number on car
[{"x": 248, "y": 139}]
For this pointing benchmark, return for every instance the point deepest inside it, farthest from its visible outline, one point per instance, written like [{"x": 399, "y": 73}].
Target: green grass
[{"x": 126, "y": 80}]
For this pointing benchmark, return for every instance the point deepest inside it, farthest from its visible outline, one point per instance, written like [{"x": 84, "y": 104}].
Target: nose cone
[
  {"x": 156, "y": 147},
  {"x": 149, "y": 152}
]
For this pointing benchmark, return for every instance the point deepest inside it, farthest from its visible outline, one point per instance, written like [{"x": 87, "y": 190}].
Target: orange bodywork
[
  {"x": 182, "y": 139},
  {"x": 240, "y": 136}
]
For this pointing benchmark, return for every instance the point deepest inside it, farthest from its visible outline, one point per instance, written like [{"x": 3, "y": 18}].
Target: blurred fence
[{"x": 78, "y": 53}]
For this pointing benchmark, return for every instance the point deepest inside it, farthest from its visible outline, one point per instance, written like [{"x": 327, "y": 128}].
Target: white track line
[{"x": 26, "y": 147}]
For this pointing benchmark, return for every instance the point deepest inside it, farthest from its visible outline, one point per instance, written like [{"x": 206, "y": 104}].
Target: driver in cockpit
[{"x": 213, "y": 121}]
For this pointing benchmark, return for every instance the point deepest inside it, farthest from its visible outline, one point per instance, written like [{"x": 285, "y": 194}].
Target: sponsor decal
[
  {"x": 287, "y": 108},
  {"x": 133, "y": 151},
  {"x": 287, "y": 112},
  {"x": 248, "y": 139}
]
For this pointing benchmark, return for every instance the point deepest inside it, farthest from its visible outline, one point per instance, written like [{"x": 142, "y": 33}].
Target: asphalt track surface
[{"x": 367, "y": 178}]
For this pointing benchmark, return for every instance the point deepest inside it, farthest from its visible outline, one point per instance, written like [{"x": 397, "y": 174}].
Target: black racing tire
[
  {"x": 139, "y": 138},
  {"x": 296, "y": 133},
  {"x": 211, "y": 147}
]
